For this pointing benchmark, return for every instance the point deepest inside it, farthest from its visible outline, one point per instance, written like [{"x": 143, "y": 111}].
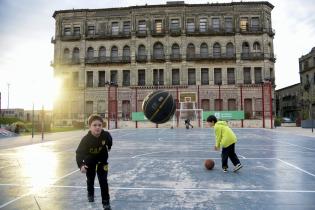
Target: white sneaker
[{"x": 237, "y": 167}]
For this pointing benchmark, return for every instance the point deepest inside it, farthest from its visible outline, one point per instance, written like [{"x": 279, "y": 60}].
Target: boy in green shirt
[{"x": 225, "y": 139}]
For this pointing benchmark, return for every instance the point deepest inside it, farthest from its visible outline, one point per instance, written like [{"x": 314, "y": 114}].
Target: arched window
[
  {"x": 175, "y": 51},
  {"x": 76, "y": 54},
  {"x": 230, "y": 50},
  {"x": 204, "y": 50},
  {"x": 141, "y": 50},
  {"x": 126, "y": 53},
  {"x": 190, "y": 50},
  {"x": 158, "y": 50},
  {"x": 216, "y": 50},
  {"x": 256, "y": 47},
  {"x": 245, "y": 48},
  {"x": 102, "y": 52},
  {"x": 114, "y": 52},
  {"x": 66, "y": 54},
  {"x": 90, "y": 52}
]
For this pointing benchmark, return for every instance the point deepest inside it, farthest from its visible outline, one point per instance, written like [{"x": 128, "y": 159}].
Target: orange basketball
[{"x": 209, "y": 164}]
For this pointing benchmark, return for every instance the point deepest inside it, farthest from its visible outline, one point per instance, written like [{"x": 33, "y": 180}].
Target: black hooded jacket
[{"x": 93, "y": 150}]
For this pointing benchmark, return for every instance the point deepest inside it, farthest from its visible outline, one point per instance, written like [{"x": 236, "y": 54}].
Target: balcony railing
[
  {"x": 158, "y": 33},
  {"x": 107, "y": 60},
  {"x": 175, "y": 57},
  {"x": 70, "y": 37},
  {"x": 211, "y": 32},
  {"x": 70, "y": 61},
  {"x": 251, "y": 30},
  {"x": 141, "y": 58},
  {"x": 202, "y": 57},
  {"x": 158, "y": 58},
  {"x": 252, "y": 56},
  {"x": 141, "y": 33},
  {"x": 175, "y": 32}
]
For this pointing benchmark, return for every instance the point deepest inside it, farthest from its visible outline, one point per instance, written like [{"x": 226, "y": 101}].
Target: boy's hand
[
  {"x": 83, "y": 169},
  {"x": 216, "y": 148}
]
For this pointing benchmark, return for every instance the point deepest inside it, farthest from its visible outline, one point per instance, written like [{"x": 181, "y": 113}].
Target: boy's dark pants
[
  {"x": 101, "y": 169},
  {"x": 229, "y": 152}
]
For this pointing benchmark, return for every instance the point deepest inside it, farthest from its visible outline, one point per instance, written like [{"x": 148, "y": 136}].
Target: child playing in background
[
  {"x": 92, "y": 155},
  {"x": 226, "y": 139}
]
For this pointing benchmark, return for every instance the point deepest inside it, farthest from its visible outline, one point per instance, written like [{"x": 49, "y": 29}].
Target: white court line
[
  {"x": 26, "y": 194},
  {"x": 242, "y": 156},
  {"x": 187, "y": 189},
  {"x": 289, "y": 164},
  {"x": 300, "y": 146}
]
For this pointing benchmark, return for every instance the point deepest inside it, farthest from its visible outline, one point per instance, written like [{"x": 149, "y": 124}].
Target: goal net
[{"x": 193, "y": 115}]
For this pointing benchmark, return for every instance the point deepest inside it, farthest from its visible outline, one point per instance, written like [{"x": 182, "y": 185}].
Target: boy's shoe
[
  {"x": 237, "y": 167},
  {"x": 225, "y": 170},
  {"x": 91, "y": 198},
  {"x": 106, "y": 205}
]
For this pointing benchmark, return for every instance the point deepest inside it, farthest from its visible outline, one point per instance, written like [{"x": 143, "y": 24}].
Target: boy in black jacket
[{"x": 92, "y": 155}]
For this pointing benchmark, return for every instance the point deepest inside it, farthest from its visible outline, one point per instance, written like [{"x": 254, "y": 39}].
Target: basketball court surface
[{"x": 162, "y": 169}]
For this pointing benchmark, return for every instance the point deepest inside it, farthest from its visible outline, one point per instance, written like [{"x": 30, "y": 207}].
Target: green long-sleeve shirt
[{"x": 224, "y": 136}]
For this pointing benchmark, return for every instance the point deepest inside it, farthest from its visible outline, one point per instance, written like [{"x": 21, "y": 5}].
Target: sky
[{"x": 26, "y": 28}]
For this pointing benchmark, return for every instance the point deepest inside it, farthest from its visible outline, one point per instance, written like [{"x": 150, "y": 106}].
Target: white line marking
[
  {"x": 31, "y": 192},
  {"x": 289, "y": 164},
  {"x": 242, "y": 156},
  {"x": 300, "y": 146}
]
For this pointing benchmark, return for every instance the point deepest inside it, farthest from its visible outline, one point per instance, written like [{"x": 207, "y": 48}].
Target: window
[
  {"x": 158, "y": 77},
  {"x": 231, "y": 104},
  {"x": 75, "y": 79},
  {"x": 191, "y": 76},
  {"x": 216, "y": 50},
  {"x": 91, "y": 30},
  {"x": 126, "y": 77},
  {"x": 67, "y": 31},
  {"x": 141, "y": 50},
  {"x": 258, "y": 76},
  {"x": 113, "y": 76},
  {"x": 247, "y": 76},
  {"x": 175, "y": 76},
  {"x": 217, "y": 76},
  {"x": 115, "y": 28},
  {"x": 306, "y": 65},
  {"x": 126, "y": 53},
  {"x": 126, "y": 27},
  {"x": 204, "y": 76},
  {"x": 230, "y": 50},
  {"x": 142, "y": 28},
  {"x": 245, "y": 50},
  {"x": 203, "y": 24},
  {"x": 204, "y": 50},
  {"x": 256, "y": 47},
  {"x": 255, "y": 24},
  {"x": 101, "y": 108},
  {"x": 191, "y": 50},
  {"x": 89, "y": 107},
  {"x": 114, "y": 53},
  {"x": 76, "y": 30},
  {"x": 174, "y": 24},
  {"x": 141, "y": 77},
  {"x": 101, "y": 78},
  {"x": 175, "y": 51},
  {"x": 66, "y": 54},
  {"x": 126, "y": 110},
  {"x": 102, "y": 52},
  {"x": 205, "y": 104},
  {"x": 228, "y": 24},
  {"x": 89, "y": 78},
  {"x": 76, "y": 54},
  {"x": 158, "y": 26},
  {"x": 215, "y": 24},
  {"x": 158, "y": 50},
  {"x": 190, "y": 25},
  {"x": 231, "y": 76},
  {"x": 244, "y": 24},
  {"x": 90, "y": 52}
]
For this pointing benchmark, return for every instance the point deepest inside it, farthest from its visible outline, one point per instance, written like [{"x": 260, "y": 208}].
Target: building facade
[
  {"x": 222, "y": 52},
  {"x": 307, "y": 78}
]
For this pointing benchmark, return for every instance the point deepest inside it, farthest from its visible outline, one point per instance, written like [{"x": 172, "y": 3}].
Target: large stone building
[
  {"x": 307, "y": 78},
  {"x": 220, "y": 52}
]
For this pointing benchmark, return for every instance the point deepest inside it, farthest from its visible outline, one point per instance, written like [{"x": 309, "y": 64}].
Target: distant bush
[
  {"x": 278, "y": 121},
  {"x": 9, "y": 120}
]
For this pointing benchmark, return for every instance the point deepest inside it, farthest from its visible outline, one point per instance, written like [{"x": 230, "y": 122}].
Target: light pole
[{"x": 8, "y": 95}]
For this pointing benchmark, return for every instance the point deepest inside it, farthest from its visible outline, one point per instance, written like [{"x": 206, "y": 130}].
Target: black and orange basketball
[
  {"x": 209, "y": 164},
  {"x": 159, "y": 106}
]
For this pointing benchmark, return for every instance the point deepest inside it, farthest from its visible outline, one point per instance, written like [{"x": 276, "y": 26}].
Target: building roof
[{"x": 169, "y": 4}]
